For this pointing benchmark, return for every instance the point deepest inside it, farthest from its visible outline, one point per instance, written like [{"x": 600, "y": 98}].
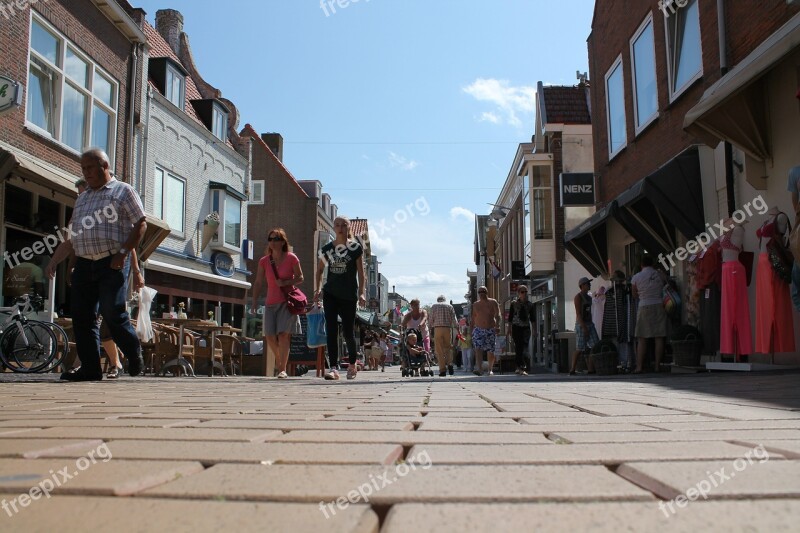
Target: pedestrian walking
[
  {"x": 651, "y": 319},
  {"x": 486, "y": 319},
  {"x": 444, "y": 322},
  {"x": 112, "y": 222},
  {"x": 344, "y": 289},
  {"x": 520, "y": 318},
  {"x": 278, "y": 268},
  {"x": 585, "y": 332}
]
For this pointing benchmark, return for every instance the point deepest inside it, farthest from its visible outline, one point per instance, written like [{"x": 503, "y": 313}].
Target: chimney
[
  {"x": 169, "y": 24},
  {"x": 275, "y": 143}
]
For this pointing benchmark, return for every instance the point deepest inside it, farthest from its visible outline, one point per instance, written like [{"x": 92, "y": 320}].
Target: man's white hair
[
  {"x": 441, "y": 298},
  {"x": 97, "y": 153}
]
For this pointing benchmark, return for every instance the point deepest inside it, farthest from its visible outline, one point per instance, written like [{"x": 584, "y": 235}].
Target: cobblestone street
[{"x": 674, "y": 453}]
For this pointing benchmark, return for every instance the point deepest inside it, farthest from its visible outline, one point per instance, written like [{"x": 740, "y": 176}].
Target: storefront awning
[
  {"x": 589, "y": 241},
  {"x": 734, "y": 109},
  {"x": 194, "y": 274},
  {"x": 36, "y": 170},
  {"x": 669, "y": 198}
]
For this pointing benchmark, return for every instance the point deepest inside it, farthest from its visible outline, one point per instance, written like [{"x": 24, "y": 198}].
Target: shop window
[
  {"x": 542, "y": 191},
  {"x": 18, "y": 204},
  {"x": 70, "y": 98}
]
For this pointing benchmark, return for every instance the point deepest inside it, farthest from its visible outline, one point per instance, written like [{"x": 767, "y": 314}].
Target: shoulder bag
[
  {"x": 780, "y": 257},
  {"x": 296, "y": 301}
]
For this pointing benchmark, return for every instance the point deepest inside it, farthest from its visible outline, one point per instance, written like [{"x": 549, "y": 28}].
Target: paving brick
[
  {"x": 115, "y": 477},
  {"x": 569, "y": 425},
  {"x": 425, "y": 483},
  {"x": 766, "y": 515},
  {"x": 33, "y": 448},
  {"x": 129, "y": 515},
  {"x": 578, "y": 453},
  {"x": 718, "y": 479},
  {"x": 717, "y": 425},
  {"x": 408, "y": 438},
  {"x": 248, "y": 452},
  {"x": 190, "y": 434},
  {"x": 757, "y": 435},
  {"x": 106, "y": 422},
  {"x": 509, "y": 426},
  {"x": 317, "y": 425},
  {"x": 788, "y": 448}
]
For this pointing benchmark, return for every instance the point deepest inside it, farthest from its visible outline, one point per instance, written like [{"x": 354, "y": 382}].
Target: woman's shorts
[
  {"x": 584, "y": 341},
  {"x": 278, "y": 319},
  {"x": 651, "y": 321}
]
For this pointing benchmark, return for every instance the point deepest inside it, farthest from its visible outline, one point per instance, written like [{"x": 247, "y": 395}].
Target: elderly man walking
[
  {"x": 444, "y": 322},
  {"x": 108, "y": 221}
]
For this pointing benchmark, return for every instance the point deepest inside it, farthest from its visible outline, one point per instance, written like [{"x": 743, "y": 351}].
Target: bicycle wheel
[
  {"x": 62, "y": 347},
  {"x": 29, "y": 348}
]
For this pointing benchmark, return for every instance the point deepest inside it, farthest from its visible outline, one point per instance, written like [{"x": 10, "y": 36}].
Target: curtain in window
[
  {"x": 73, "y": 126},
  {"x": 41, "y": 86}
]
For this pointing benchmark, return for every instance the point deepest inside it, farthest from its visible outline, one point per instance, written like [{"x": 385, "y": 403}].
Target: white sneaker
[
  {"x": 282, "y": 375},
  {"x": 491, "y": 373}
]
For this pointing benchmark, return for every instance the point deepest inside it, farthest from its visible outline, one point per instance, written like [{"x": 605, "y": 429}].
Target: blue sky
[{"x": 408, "y": 111}]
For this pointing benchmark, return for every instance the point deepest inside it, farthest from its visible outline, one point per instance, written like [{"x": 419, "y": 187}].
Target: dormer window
[
  {"x": 174, "y": 86},
  {"x": 169, "y": 77},
  {"x": 219, "y": 122},
  {"x": 214, "y": 115}
]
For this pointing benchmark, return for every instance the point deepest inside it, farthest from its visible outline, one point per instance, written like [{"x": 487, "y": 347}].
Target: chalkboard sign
[{"x": 298, "y": 349}]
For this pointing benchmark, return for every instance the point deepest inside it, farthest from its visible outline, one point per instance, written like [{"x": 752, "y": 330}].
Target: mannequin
[
  {"x": 598, "y": 306},
  {"x": 735, "y": 332},
  {"x": 774, "y": 327}
]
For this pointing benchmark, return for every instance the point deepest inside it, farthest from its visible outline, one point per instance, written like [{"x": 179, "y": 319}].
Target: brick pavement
[{"x": 383, "y": 453}]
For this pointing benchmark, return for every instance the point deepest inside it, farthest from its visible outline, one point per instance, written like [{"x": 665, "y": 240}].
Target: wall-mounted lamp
[{"x": 499, "y": 212}]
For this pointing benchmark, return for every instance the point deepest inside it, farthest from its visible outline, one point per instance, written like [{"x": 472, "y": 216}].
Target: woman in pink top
[{"x": 279, "y": 323}]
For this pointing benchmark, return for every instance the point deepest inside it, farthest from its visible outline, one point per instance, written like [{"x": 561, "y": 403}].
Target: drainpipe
[
  {"x": 723, "y": 69},
  {"x": 143, "y": 146},
  {"x": 131, "y": 112}
]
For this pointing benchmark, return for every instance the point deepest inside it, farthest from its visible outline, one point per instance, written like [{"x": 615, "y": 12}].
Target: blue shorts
[
  {"x": 583, "y": 342},
  {"x": 483, "y": 339}
]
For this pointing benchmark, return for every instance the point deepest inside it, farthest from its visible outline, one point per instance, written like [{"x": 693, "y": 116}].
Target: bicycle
[{"x": 30, "y": 346}]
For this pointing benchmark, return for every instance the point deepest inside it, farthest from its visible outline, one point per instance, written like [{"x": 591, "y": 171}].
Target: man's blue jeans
[
  {"x": 97, "y": 286},
  {"x": 796, "y": 285}
]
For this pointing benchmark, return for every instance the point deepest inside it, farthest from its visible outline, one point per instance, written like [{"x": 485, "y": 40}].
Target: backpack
[
  {"x": 779, "y": 254},
  {"x": 671, "y": 299}
]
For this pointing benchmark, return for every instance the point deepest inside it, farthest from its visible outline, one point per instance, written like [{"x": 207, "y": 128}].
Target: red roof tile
[
  {"x": 160, "y": 48},
  {"x": 566, "y": 105}
]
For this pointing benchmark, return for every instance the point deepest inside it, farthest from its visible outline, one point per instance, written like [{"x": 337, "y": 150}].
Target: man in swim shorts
[{"x": 486, "y": 319}]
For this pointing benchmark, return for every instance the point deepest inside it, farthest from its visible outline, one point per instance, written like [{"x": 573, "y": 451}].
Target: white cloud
[
  {"x": 486, "y": 116},
  {"x": 402, "y": 162},
  {"x": 378, "y": 245},
  {"x": 423, "y": 280},
  {"x": 510, "y": 101},
  {"x": 462, "y": 212}
]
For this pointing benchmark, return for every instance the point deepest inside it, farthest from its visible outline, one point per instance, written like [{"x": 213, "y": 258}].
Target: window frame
[
  {"x": 177, "y": 74},
  {"x": 217, "y": 203},
  {"x": 639, "y": 125},
  {"x": 254, "y": 198},
  {"x": 542, "y": 206},
  {"x": 610, "y": 72},
  {"x": 676, "y": 92},
  {"x": 217, "y": 111},
  {"x": 166, "y": 174},
  {"x": 60, "y": 82}
]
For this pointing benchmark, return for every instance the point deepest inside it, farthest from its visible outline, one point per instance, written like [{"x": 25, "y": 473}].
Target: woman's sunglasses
[{"x": 274, "y": 239}]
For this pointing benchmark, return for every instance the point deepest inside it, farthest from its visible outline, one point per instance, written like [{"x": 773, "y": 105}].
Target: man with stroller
[{"x": 443, "y": 322}]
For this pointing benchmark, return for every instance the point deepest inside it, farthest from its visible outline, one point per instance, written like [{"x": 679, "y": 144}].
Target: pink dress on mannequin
[{"x": 735, "y": 334}]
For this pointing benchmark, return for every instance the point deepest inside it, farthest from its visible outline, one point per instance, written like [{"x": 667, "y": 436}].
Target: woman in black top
[
  {"x": 585, "y": 334},
  {"x": 343, "y": 291}
]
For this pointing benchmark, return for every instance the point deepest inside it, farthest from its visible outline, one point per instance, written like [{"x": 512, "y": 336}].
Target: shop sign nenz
[
  {"x": 577, "y": 189},
  {"x": 10, "y": 94}
]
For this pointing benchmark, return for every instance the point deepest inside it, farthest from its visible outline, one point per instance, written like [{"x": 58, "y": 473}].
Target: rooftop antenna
[{"x": 582, "y": 77}]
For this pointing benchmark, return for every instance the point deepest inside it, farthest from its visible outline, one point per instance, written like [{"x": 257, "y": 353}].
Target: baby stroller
[{"x": 414, "y": 365}]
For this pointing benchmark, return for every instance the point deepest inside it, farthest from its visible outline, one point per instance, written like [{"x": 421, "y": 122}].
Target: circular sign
[{"x": 222, "y": 264}]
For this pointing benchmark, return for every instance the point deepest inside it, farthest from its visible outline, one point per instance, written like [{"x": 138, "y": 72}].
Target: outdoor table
[
  {"x": 213, "y": 328},
  {"x": 181, "y": 323}
]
